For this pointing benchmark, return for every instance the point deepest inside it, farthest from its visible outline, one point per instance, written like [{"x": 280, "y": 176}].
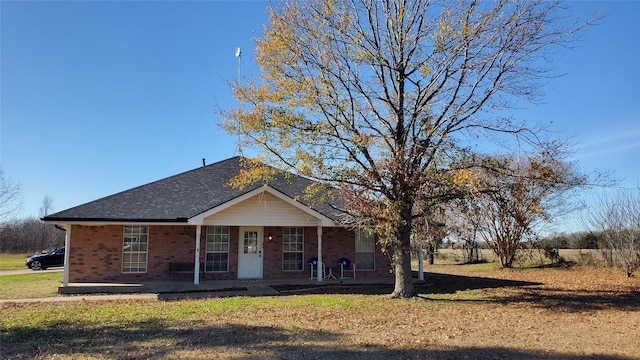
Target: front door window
[{"x": 250, "y": 242}]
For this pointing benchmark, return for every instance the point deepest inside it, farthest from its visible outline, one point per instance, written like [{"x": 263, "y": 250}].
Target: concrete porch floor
[{"x": 208, "y": 288}]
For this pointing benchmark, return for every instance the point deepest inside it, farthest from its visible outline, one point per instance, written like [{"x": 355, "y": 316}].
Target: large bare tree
[
  {"x": 380, "y": 98},
  {"x": 617, "y": 220},
  {"x": 10, "y": 200}
]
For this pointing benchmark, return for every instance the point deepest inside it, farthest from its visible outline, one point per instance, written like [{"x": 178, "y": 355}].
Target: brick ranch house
[{"x": 195, "y": 225}]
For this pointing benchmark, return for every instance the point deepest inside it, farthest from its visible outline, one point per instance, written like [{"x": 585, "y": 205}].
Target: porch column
[
  {"x": 67, "y": 248},
  {"x": 196, "y": 270},
  {"x": 319, "y": 266}
]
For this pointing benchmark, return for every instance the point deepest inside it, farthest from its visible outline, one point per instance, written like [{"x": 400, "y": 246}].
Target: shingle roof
[{"x": 180, "y": 197}]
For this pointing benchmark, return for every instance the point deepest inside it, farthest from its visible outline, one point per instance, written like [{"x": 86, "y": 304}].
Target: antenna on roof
[{"x": 238, "y": 55}]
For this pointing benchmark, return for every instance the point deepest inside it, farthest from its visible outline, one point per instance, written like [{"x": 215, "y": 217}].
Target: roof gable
[
  {"x": 263, "y": 206},
  {"x": 184, "y": 197}
]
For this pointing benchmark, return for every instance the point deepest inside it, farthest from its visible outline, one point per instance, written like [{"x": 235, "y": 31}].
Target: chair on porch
[
  {"x": 345, "y": 266},
  {"x": 313, "y": 265}
]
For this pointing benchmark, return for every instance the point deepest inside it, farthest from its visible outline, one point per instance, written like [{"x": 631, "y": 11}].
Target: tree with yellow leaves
[{"x": 381, "y": 99}]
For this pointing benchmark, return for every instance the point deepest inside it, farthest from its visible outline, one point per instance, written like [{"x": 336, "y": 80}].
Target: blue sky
[{"x": 98, "y": 97}]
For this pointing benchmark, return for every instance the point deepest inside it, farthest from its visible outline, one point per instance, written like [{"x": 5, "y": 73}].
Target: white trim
[
  {"x": 359, "y": 234},
  {"x": 242, "y": 260},
  {"x": 122, "y": 223},
  {"x": 199, "y": 219},
  {"x": 301, "y": 228},
  {"x": 213, "y": 252},
  {"x": 146, "y": 251},
  {"x": 196, "y": 271},
  {"x": 67, "y": 250},
  {"x": 319, "y": 266}
]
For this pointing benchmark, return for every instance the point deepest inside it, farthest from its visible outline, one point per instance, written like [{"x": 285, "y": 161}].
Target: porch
[{"x": 217, "y": 288}]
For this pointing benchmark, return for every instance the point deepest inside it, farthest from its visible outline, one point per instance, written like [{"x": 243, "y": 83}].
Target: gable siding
[{"x": 262, "y": 210}]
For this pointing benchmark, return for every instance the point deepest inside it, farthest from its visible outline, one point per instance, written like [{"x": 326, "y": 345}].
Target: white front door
[{"x": 250, "y": 252}]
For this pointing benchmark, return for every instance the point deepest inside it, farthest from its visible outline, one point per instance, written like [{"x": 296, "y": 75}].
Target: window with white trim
[
  {"x": 217, "y": 248},
  {"x": 292, "y": 248},
  {"x": 134, "y": 249},
  {"x": 365, "y": 250}
]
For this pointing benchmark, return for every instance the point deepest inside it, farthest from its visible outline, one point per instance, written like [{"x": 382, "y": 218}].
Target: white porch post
[
  {"x": 67, "y": 248},
  {"x": 319, "y": 266},
  {"x": 196, "y": 270}
]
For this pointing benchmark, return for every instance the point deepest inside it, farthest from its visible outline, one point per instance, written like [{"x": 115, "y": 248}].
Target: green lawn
[
  {"x": 12, "y": 261},
  {"x": 30, "y": 285}
]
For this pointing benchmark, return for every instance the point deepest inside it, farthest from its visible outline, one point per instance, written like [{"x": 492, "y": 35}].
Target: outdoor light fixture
[{"x": 269, "y": 237}]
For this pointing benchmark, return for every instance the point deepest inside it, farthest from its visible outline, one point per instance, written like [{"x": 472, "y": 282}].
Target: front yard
[{"x": 470, "y": 311}]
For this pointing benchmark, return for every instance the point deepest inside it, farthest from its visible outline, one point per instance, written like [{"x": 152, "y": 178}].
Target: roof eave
[{"x": 108, "y": 221}]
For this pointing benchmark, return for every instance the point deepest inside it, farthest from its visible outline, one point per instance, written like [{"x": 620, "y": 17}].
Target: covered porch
[
  {"x": 254, "y": 247},
  {"x": 220, "y": 288}
]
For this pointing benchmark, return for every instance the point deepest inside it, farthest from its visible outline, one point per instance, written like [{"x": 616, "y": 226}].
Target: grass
[
  {"x": 12, "y": 261},
  {"x": 30, "y": 285},
  {"x": 469, "y": 311}
]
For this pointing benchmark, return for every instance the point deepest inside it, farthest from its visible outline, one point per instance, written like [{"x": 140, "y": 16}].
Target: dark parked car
[{"x": 42, "y": 261}]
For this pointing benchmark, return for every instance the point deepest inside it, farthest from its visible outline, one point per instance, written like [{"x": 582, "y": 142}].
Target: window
[
  {"x": 365, "y": 250},
  {"x": 250, "y": 242},
  {"x": 134, "y": 249},
  {"x": 217, "y": 248},
  {"x": 292, "y": 247}
]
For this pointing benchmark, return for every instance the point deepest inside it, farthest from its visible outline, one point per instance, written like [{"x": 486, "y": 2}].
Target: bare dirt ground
[{"x": 463, "y": 312}]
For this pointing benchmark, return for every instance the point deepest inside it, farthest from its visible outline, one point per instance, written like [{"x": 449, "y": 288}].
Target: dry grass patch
[{"x": 464, "y": 312}]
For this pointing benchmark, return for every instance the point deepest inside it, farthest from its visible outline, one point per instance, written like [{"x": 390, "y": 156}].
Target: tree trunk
[
  {"x": 507, "y": 261},
  {"x": 404, "y": 282},
  {"x": 402, "y": 259},
  {"x": 469, "y": 252}
]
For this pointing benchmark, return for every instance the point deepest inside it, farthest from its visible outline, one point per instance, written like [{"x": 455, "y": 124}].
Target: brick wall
[{"x": 96, "y": 253}]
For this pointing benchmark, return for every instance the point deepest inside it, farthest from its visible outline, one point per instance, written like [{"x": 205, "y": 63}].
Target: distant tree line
[
  {"x": 613, "y": 223},
  {"x": 615, "y": 230},
  {"x": 29, "y": 235},
  {"x": 24, "y": 235},
  {"x": 616, "y": 220},
  {"x": 576, "y": 240}
]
